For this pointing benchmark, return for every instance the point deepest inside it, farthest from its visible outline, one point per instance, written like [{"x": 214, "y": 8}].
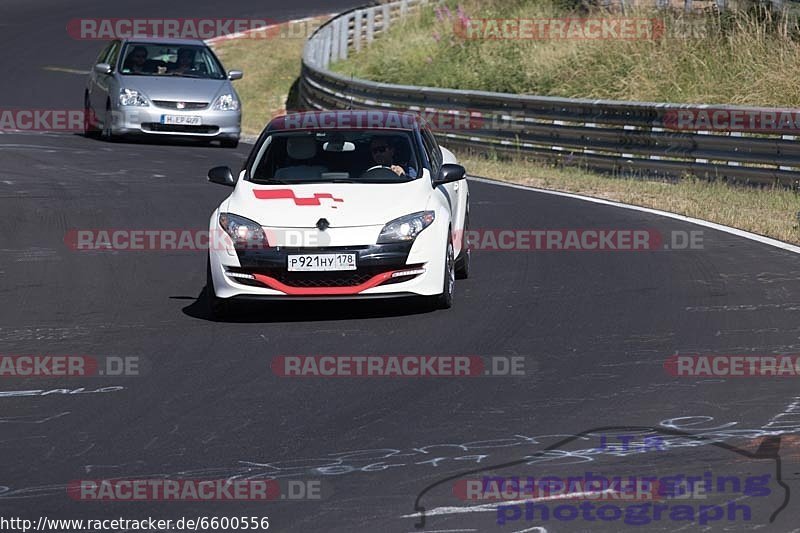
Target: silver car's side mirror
[
  {"x": 102, "y": 68},
  {"x": 235, "y": 75}
]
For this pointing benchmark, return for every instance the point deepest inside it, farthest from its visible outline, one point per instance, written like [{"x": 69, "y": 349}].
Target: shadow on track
[{"x": 157, "y": 140}]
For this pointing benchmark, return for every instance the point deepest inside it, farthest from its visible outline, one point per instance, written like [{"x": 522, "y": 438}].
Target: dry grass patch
[{"x": 770, "y": 211}]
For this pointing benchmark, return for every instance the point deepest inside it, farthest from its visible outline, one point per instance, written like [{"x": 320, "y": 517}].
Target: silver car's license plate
[
  {"x": 321, "y": 262},
  {"x": 183, "y": 120}
]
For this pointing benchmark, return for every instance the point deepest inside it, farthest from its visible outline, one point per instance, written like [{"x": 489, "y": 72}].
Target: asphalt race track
[{"x": 594, "y": 329}]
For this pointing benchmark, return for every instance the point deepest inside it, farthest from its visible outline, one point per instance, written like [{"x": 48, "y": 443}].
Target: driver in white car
[{"x": 383, "y": 153}]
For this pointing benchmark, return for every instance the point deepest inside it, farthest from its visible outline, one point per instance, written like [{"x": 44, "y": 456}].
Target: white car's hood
[{"x": 341, "y": 204}]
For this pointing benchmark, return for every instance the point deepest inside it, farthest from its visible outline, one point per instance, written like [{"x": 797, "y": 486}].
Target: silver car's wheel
[
  {"x": 89, "y": 125},
  {"x": 108, "y": 125}
]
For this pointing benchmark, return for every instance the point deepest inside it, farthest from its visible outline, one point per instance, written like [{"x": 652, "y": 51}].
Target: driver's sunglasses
[
  {"x": 379, "y": 149},
  {"x": 139, "y": 56}
]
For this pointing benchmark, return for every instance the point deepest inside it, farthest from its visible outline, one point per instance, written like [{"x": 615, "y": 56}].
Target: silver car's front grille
[
  {"x": 179, "y": 128},
  {"x": 176, "y": 104}
]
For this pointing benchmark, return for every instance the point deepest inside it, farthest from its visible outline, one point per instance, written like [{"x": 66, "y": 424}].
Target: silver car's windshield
[{"x": 186, "y": 61}]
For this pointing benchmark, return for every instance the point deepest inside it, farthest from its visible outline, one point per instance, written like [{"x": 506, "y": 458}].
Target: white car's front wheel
[
  {"x": 445, "y": 299},
  {"x": 217, "y": 307},
  {"x": 465, "y": 256}
]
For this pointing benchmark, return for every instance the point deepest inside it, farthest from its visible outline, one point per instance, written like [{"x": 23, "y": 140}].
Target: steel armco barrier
[{"x": 617, "y": 136}]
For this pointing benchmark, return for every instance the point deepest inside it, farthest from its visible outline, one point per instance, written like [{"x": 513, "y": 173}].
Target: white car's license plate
[
  {"x": 321, "y": 262},
  {"x": 184, "y": 120}
]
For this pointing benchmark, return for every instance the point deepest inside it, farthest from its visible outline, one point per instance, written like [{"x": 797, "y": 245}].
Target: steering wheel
[{"x": 383, "y": 171}]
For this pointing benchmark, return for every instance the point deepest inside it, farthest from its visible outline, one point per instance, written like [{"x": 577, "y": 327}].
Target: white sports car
[{"x": 340, "y": 205}]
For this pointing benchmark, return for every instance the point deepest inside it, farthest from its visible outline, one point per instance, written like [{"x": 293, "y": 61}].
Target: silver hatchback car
[{"x": 173, "y": 87}]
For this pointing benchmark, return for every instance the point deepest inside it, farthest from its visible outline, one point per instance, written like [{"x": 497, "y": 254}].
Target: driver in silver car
[{"x": 383, "y": 153}]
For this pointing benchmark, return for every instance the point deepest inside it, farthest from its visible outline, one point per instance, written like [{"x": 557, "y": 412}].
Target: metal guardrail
[{"x": 616, "y": 136}]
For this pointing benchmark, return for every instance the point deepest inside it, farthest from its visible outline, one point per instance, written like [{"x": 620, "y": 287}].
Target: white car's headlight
[
  {"x": 226, "y": 102},
  {"x": 243, "y": 231},
  {"x": 406, "y": 228},
  {"x": 129, "y": 97}
]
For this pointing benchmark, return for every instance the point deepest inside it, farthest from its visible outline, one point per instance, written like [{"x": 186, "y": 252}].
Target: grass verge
[
  {"x": 770, "y": 212},
  {"x": 271, "y": 67}
]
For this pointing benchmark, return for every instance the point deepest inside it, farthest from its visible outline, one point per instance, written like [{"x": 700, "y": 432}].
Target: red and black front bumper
[{"x": 376, "y": 265}]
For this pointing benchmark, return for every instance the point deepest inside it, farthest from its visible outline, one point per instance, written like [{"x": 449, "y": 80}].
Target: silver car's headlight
[
  {"x": 406, "y": 228},
  {"x": 243, "y": 231},
  {"x": 129, "y": 97},
  {"x": 226, "y": 102}
]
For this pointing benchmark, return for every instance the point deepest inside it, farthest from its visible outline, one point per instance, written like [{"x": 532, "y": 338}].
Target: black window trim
[
  {"x": 436, "y": 155},
  {"x": 103, "y": 55},
  {"x": 421, "y": 157},
  {"x": 113, "y": 51}
]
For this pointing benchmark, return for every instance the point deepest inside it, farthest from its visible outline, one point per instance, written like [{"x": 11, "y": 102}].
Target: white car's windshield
[
  {"x": 336, "y": 156},
  {"x": 153, "y": 59}
]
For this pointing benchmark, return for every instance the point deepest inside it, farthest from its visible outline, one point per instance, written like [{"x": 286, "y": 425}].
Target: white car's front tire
[
  {"x": 465, "y": 256},
  {"x": 218, "y": 308},
  {"x": 445, "y": 299}
]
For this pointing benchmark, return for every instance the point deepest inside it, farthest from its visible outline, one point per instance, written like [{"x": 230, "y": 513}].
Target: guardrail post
[
  {"x": 628, "y": 128},
  {"x": 357, "y": 29},
  {"x": 387, "y": 15},
  {"x": 310, "y": 51},
  {"x": 370, "y": 24},
  {"x": 335, "y": 34},
  {"x": 735, "y": 134},
  {"x": 403, "y": 8},
  {"x": 701, "y": 160},
  {"x": 344, "y": 28},
  {"x": 787, "y": 138},
  {"x": 319, "y": 49}
]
